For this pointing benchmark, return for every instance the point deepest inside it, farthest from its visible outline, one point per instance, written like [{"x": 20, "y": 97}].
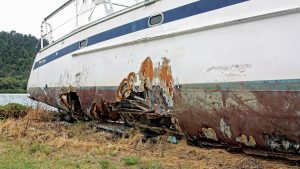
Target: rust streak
[
  {"x": 146, "y": 74},
  {"x": 126, "y": 86},
  {"x": 165, "y": 75}
]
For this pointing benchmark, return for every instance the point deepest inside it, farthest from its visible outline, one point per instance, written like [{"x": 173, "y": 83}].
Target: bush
[{"x": 13, "y": 110}]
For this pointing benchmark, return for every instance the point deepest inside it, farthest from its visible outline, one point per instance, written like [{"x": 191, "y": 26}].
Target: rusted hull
[
  {"x": 87, "y": 96},
  {"x": 266, "y": 120},
  {"x": 259, "y": 115}
]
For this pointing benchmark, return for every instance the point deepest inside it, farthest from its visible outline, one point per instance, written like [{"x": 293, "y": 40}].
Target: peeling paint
[
  {"x": 158, "y": 94},
  {"x": 163, "y": 74},
  {"x": 248, "y": 142},
  {"x": 235, "y": 67},
  {"x": 147, "y": 96},
  {"x": 146, "y": 75},
  {"x": 280, "y": 143},
  {"x": 126, "y": 86},
  {"x": 210, "y": 133},
  {"x": 229, "y": 72},
  {"x": 225, "y": 129}
]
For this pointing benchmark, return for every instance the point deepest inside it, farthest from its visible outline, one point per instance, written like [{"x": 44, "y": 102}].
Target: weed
[
  {"x": 14, "y": 157},
  {"x": 131, "y": 160},
  {"x": 36, "y": 147},
  {"x": 105, "y": 164}
]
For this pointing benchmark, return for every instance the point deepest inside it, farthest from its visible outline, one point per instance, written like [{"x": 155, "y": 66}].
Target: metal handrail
[
  {"x": 59, "y": 9},
  {"x": 46, "y": 26}
]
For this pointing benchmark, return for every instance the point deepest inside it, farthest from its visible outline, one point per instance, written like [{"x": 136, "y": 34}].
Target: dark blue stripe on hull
[{"x": 198, "y": 7}]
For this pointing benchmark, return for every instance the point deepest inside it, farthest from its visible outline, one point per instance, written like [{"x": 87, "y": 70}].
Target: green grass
[
  {"x": 22, "y": 155},
  {"x": 14, "y": 157},
  {"x": 131, "y": 160},
  {"x": 37, "y": 155},
  {"x": 106, "y": 164},
  {"x": 37, "y": 147}
]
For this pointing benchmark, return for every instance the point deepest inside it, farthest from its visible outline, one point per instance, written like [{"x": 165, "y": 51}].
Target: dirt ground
[{"x": 36, "y": 141}]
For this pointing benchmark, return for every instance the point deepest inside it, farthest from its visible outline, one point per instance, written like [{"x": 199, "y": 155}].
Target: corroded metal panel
[
  {"x": 263, "y": 115},
  {"x": 262, "y": 119}
]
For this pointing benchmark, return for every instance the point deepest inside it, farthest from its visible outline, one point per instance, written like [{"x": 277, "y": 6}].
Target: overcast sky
[{"x": 25, "y": 16}]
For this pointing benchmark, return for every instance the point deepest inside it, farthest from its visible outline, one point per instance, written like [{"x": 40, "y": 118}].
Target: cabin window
[
  {"x": 156, "y": 20},
  {"x": 83, "y": 43}
]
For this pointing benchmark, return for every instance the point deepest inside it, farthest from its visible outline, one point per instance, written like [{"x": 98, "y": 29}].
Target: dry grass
[{"x": 36, "y": 141}]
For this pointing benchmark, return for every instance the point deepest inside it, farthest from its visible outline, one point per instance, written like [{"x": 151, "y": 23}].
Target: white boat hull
[{"x": 235, "y": 69}]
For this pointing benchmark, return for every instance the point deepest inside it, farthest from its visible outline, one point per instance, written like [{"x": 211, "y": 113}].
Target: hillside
[{"x": 17, "y": 52}]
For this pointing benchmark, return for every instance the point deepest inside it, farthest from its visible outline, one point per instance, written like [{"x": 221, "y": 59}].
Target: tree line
[{"x": 17, "y": 53}]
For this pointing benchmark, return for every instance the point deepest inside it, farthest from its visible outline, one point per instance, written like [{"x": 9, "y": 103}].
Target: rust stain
[
  {"x": 251, "y": 118},
  {"x": 93, "y": 111},
  {"x": 126, "y": 86},
  {"x": 165, "y": 76},
  {"x": 159, "y": 94},
  {"x": 146, "y": 74},
  {"x": 266, "y": 120}
]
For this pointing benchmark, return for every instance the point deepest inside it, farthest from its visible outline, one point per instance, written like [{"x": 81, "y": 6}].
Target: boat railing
[{"x": 77, "y": 13}]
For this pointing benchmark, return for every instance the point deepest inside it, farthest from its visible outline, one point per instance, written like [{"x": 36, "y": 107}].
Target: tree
[{"x": 17, "y": 52}]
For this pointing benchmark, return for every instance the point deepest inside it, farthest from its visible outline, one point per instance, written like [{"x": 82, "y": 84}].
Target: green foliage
[
  {"x": 13, "y": 110},
  {"x": 13, "y": 157},
  {"x": 36, "y": 147},
  {"x": 106, "y": 164},
  {"x": 17, "y": 52},
  {"x": 131, "y": 161}
]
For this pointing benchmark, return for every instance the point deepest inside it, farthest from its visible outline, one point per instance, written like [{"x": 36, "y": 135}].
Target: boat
[{"x": 223, "y": 72}]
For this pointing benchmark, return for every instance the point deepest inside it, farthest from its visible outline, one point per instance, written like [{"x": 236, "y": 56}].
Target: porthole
[
  {"x": 83, "y": 43},
  {"x": 156, "y": 20}
]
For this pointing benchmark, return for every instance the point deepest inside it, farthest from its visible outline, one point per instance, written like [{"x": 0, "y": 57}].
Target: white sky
[{"x": 26, "y": 16}]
